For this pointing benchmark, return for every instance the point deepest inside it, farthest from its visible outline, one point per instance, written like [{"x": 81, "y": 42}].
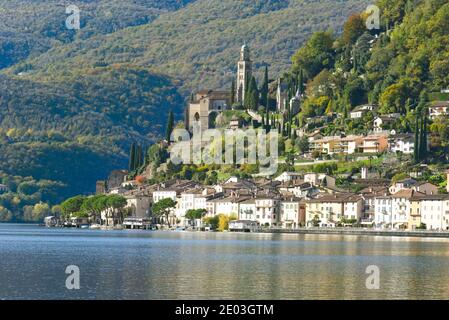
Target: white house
[
  {"x": 380, "y": 122},
  {"x": 247, "y": 210},
  {"x": 330, "y": 209},
  {"x": 402, "y": 184},
  {"x": 360, "y": 111},
  {"x": 228, "y": 206},
  {"x": 383, "y": 211},
  {"x": 288, "y": 176},
  {"x": 299, "y": 189},
  {"x": 438, "y": 108},
  {"x": 267, "y": 209},
  {"x": 435, "y": 212},
  {"x": 317, "y": 179},
  {"x": 159, "y": 195},
  {"x": 290, "y": 213},
  {"x": 404, "y": 143}
]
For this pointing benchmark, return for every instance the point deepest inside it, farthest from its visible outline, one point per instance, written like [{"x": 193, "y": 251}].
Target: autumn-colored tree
[
  {"x": 353, "y": 29},
  {"x": 140, "y": 180}
]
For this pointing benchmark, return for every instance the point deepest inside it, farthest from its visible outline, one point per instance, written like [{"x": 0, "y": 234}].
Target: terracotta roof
[
  {"x": 337, "y": 197},
  {"x": 407, "y": 193}
]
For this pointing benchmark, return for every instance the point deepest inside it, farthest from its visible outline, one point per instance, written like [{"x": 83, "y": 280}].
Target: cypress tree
[
  {"x": 247, "y": 93},
  {"x": 170, "y": 125},
  {"x": 233, "y": 92},
  {"x": 132, "y": 157},
  {"x": 301, "y": 81},
  {"x": 422, "y": 112},
  {"x": 264, "y": 89},
  {"x": 423, "y": 145},
  {"x": 138, "y": 157},
  {"x": 254, "y": 93},
  {"x": 416, "y": 148}
]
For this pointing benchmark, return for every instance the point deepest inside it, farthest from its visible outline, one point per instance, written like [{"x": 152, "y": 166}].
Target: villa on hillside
[{"x": 438, "y": 108}]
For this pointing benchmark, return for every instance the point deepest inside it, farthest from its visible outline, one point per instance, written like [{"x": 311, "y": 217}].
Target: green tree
[
  {"x": 195, "y": 214},
  {"x": 132, "y": 157},
  {"x": 264, "y": 91},
  {"x": 252, "y": 95},
  {"x": 302, "y": 144},
  {"x": 317, "y": 54},
  {"x": 212, "y": 222},
  {"x": 163, "y": 208},
  {"x": 117, "y": 203},
  {"x": 170, "y": 125},
  {"x": 233, "y": 92},
  {"x": 72, "y": 205},
  {"x": 416, "y": 148}
]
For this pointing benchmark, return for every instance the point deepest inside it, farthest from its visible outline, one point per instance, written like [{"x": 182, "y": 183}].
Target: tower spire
[{"x": 244, "y": 73}]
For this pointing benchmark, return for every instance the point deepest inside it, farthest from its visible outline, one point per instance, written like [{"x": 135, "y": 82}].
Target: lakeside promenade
[{"x": 363, "y": 232}]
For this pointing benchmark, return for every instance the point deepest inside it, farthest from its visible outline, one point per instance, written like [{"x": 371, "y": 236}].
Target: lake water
[{"x": 181, "y": 265}]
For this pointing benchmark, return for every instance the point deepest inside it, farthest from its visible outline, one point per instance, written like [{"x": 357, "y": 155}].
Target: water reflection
[{"x": 167, "y": 265}]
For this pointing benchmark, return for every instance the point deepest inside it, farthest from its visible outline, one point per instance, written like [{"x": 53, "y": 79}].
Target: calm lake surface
[{"x": 181, "y": 265}]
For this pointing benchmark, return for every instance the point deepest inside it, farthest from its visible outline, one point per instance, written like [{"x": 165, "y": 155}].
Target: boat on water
[{"x": 95, "y": 227}]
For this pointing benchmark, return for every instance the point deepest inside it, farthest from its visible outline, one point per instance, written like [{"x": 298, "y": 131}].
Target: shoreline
[
  {"x": 384, "y": 233},
  {"x": 355, "y": 232}
]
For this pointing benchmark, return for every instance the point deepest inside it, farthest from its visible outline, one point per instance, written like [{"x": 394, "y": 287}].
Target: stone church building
[{"x": 206, "y": 105}]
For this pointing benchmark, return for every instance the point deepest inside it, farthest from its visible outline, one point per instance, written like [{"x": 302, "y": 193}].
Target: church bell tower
[{"x": 244, "y": 73}]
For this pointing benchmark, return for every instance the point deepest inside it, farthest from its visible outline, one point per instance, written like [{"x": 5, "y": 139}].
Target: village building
[
  {"x": 289, "y": 176},
  {"x": 194, "y": 199},
  {"x": 228, "y": 206},
  {"x": 360, "y": 111},
  {"x": 383, "y": 209},
  {"x": 292, "y": 213},
  {"x": 319, "y": 180},
  {"x": 401, "y": 207},
  {"x": 381, "y": 123},
  {"x": 100, "y": 187},
  {"x": 426, "y": 188},
  {"x": 204, "y": 109},
  {"x": 330, "y": 209},
  {"x": 435, "y": 212},
  {"x": 369, "y": 196},
  {"x": 404, "y": 143},
  {"x": 139, "y": 204},
  {"x": 438, "y": 108},
  {"x": 267, "y": 209},
  {"x": 298, "y": 188},
  {"x": 402, "y": 184},
  {"x": 116, "y": 178},
  {"x": 374, "y": 144},
  {"x": 207, "y": 105},
  {"x": 414, "y": 220},
  {"x": 247, "y": 210}
]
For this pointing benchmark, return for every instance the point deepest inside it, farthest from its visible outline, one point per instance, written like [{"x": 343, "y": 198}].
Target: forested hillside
[
  {"x": 200, "y": 43},
  {"x": 72, "y": 102},
  {"x": 30, "y": 27},
  {"x": 400, "y": 67}
]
